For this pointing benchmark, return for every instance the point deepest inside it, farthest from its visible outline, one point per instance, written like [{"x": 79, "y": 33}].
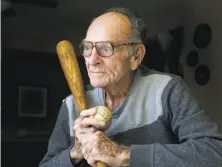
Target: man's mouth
[{"x": 96, "y": 72}]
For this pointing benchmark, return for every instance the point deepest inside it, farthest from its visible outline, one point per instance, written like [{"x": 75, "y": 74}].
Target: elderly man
[{"x": 155, "y": 120}]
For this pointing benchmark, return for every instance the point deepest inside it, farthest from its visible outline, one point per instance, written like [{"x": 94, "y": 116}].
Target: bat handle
[{"x": 100, "y": 164}]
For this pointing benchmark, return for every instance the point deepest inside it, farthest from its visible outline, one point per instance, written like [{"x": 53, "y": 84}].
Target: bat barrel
[{"x": 70, "y": 66}]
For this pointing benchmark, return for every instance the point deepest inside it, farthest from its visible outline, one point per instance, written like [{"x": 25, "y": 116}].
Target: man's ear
[{"x": 137, "y": 58}]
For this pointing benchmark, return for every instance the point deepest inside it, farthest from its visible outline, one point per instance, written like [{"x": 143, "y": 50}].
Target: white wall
[{"x": 209, "y": 96}]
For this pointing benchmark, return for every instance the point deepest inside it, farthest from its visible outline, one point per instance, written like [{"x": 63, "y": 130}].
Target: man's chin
[{"x": 97, "y": 84}]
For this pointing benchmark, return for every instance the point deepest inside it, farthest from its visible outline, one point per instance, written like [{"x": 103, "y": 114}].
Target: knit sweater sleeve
[
  {"x": 59, "y": 144},
  {"x": 200, "y": 143}
]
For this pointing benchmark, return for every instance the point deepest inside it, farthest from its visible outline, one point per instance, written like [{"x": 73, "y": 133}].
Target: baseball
[{"x": 103, "y": 113}]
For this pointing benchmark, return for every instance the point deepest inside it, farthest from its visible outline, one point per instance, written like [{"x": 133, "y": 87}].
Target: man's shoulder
[
  {"x": 91, "y": 95},
  {"x": 68, "y": 97},
  {"x": 157, "y": 79},
  {"x": 154, "y": 74},
  {"x": 87, "y": 88},
  {"x": 154, "y": 77}
]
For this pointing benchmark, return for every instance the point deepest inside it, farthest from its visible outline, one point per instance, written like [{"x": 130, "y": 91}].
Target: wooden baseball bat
[{"x": 70, "y": 66}]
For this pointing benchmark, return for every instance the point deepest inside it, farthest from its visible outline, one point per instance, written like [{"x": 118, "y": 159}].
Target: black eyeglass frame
[{"x": 113, "y": 45}]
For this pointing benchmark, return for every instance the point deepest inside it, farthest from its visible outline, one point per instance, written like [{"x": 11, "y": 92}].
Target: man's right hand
[{"x": 76, "y": 151}]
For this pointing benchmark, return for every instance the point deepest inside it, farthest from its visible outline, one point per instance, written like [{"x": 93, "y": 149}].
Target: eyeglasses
[{"x": 104, "y": 48}]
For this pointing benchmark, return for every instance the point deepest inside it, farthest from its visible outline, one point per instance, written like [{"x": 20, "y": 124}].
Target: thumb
[{"x": 89, "y": 112}]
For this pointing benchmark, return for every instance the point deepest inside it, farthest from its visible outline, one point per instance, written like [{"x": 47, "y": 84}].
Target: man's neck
[{"x": 116, "y": 94}]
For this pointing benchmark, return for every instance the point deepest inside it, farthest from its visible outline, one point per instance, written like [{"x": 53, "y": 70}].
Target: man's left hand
[{"x": 98, "y": 147}]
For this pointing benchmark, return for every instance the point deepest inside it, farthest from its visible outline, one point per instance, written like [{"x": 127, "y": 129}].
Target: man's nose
[{"x": 95, "y": 58}]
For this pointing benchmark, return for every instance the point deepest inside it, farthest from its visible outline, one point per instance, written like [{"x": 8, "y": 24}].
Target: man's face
[{"x": 105, "y": 71}]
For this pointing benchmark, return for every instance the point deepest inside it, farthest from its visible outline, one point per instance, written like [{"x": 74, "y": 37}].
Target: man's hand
[
  {"x": 98, "y": 147},
  {"x": 92, "y": 118},
  {"x": 76, "y": 151},
  {"x": 95, "y": 146}
]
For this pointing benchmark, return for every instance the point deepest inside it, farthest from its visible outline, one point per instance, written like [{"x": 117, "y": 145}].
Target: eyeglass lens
[{"x": 104, "y": 49}]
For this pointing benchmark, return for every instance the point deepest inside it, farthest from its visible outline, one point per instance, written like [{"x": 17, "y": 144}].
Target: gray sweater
[{"x": 160, "y": 120}]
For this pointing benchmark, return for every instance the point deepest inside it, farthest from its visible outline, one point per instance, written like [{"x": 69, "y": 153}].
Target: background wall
[
  {"x": 209, "y": 96},
  {"x": 41, "y": 29}
]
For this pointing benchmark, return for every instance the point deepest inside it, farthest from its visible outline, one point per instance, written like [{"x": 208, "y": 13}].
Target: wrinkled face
[{"x": 105, "y": 71}]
